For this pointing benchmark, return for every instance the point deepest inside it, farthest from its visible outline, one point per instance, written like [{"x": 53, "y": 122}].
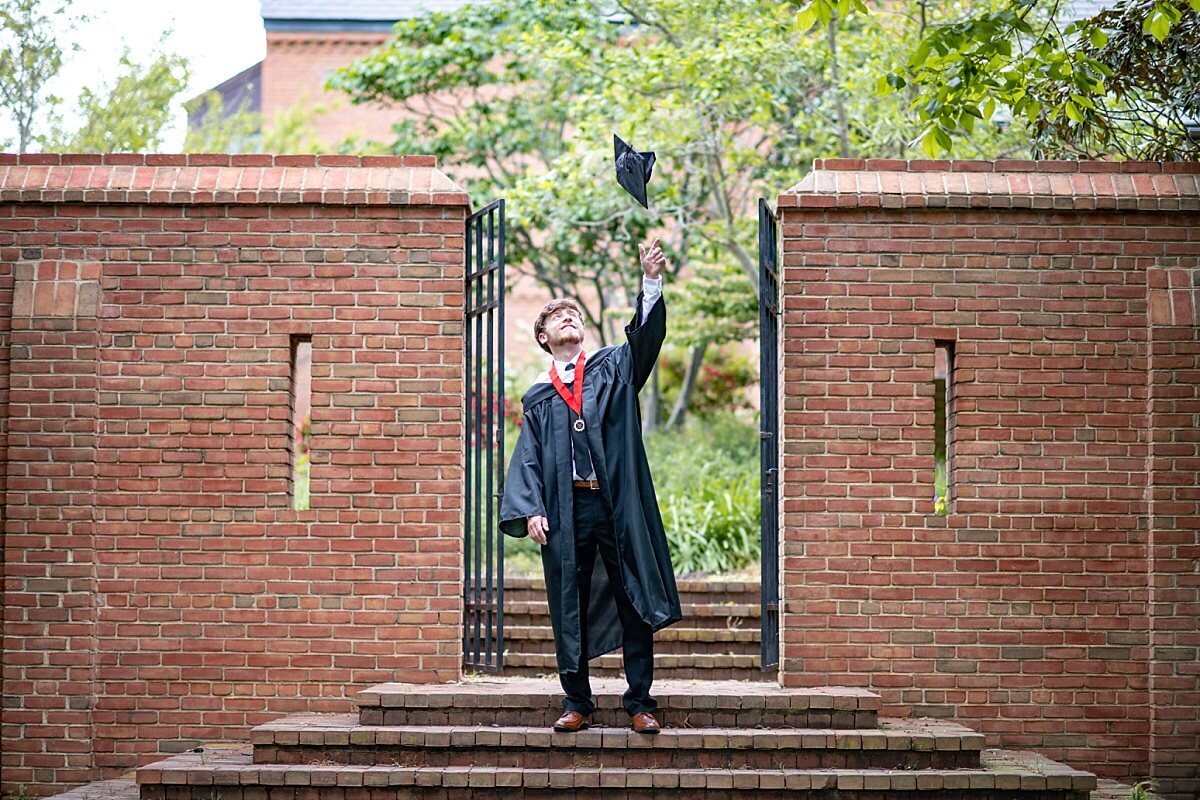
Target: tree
[
  {"x": 521, "y": 98},
  {"x": 129, "y": 116},
  {"x": 719, "y": 307},
  {"x": 30, "y": 58},
  {"x": 1125, "y": 82},
  {"x": 291, "y": 130}
]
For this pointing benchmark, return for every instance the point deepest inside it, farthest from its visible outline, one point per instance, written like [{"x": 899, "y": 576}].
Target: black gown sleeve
[
  {"x": 523, "y": 487},
  {"x": 645, "y": 339}
]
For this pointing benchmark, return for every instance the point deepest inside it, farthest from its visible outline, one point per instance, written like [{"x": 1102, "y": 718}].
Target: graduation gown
[{"x": 539, "y": 484}]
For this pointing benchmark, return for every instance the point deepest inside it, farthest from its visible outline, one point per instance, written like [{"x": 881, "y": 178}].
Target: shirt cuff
[{"x": 651, "y": 291}]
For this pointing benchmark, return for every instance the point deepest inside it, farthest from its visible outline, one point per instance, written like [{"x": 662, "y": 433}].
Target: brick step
[
  {"x": 695, "y": 704},
  {"x": 338, "y": 738},
  {"x": 527, "y": 639},
  {"x": 126, "y": 788},
  {"x": 705, "y": 666},
  {"x": 736, "y": 616},
  {"x": 692, "y": 591},
  {"x": 231, "y": 775}
]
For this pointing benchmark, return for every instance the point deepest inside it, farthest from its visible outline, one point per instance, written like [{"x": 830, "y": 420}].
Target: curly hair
[{"x": 539, "y": 327}]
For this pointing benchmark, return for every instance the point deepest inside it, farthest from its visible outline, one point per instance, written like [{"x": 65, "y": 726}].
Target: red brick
[
  {"x": 166, "y": 478},
  {"x": 1053, "y": 451}
]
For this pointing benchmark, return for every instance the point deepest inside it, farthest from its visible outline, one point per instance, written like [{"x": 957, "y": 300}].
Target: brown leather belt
[{"x": 593, "y": 485}]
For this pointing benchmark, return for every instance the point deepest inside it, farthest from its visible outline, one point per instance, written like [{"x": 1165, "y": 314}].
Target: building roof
[
  {"x": 242, "y": 92},
  {"x": 346, "y": 14}
]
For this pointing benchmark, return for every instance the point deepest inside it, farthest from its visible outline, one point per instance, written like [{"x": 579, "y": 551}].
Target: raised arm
[{"x": 648, "y": 328}]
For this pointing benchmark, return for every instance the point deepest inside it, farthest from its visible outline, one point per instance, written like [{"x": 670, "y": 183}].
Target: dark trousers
[{"x": 594, "y": 528}]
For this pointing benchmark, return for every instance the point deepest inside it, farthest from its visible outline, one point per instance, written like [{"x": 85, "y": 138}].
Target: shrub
[
  {"x": 707, "y": 481},
  {"x": 721, "y": 387}
]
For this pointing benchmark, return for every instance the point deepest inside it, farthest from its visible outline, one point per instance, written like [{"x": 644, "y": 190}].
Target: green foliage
[
  {"x": 539, "y": 86},
  {"x": 130, "y": 115},
  {"x": 707, "y": 481},
  {"x": 1122, "y": 83},
  {"x": 236, "y": 131},
  {"x": 30, "y": 57},
  {"x": 291, "y": 130},
  {"x": 941, "y": 496},
  {"x": 520, "y": 98},
  {"x": 301, "y": 496},
  {"x": 715, "y": 305},
  {"x": 505, "y": 129},
  {"x": 1148, "y": 51},
  {"x": 720, "y": 387},
  {"x": 20, "y": 793},
  {"x": 1144, "y": 790}
]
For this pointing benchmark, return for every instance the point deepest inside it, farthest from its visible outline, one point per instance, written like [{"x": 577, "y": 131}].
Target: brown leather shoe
[
  {"x": 572, "y": 721},
  {"x": 644, "y": 722}
]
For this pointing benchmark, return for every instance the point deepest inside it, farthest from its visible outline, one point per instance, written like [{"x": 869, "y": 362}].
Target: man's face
[{"x": 563, "y": 327}]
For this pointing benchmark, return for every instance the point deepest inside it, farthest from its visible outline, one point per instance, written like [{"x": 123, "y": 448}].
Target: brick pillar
[
  {"x": 49, "y": 608},
  {"x": 1174, "y": 302}
]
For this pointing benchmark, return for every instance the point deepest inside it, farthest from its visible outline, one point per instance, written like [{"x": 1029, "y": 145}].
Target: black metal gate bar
[
  {"x": 483, "y": 474},
  {"x": 768, "y": 342}
]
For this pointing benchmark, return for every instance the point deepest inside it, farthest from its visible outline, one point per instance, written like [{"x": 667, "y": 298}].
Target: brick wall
[
  {"x": 1031, "y": 610},
  {"x": 159, "y": 590}
]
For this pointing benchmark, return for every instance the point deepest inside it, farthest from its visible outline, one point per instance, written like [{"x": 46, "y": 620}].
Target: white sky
[{"x": 219, "y": 38}]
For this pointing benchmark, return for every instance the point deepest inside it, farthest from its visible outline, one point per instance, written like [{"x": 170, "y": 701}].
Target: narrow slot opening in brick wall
[
  {"x": 301, "y": 416},
  {"x": 943, "y": 371}
]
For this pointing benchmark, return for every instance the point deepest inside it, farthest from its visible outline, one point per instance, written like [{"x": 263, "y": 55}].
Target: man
[{"x": 579, "y": 485}]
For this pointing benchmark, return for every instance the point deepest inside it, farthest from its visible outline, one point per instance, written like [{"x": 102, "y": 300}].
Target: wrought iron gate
[
  {"x": 483, "y": 329},
  {"x": 768, "y": 342}
]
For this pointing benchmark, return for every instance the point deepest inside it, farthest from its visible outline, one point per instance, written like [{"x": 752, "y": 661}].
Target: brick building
[{"x": 307, "y": 40}]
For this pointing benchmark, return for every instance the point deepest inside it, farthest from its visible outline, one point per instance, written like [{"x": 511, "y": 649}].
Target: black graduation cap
[{"x": 633, "y": 169}]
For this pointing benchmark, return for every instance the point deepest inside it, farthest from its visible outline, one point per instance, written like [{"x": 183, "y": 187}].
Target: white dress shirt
[{"x": 651, "y": 291}]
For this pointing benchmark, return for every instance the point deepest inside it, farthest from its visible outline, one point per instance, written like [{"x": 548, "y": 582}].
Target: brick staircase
[
  {"x": 718, "y": 639},
  {"x": 724, "y": 739}
]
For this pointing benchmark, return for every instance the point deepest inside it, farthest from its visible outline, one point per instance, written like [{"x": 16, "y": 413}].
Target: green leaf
[
  {"x": 1195, "y": 4},
  {"x": 942, "y": 137},
  {"x": 929, "y": 146},
  {"x": 897, "y": 81},
  {"x": 806, "y": 19},
  {"x": 1099, "y": 38},
  {"x": 1157, "y": 24},
  {"x": 824, "y": 11},
  {"x": 1073, "y": 111}
]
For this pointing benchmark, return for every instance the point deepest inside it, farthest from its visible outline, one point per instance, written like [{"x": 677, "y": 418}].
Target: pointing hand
[{"x": 653, "y": 260}]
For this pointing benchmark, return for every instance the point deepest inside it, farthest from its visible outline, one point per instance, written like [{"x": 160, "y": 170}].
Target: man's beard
[{"x": 566, "y": 336}]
